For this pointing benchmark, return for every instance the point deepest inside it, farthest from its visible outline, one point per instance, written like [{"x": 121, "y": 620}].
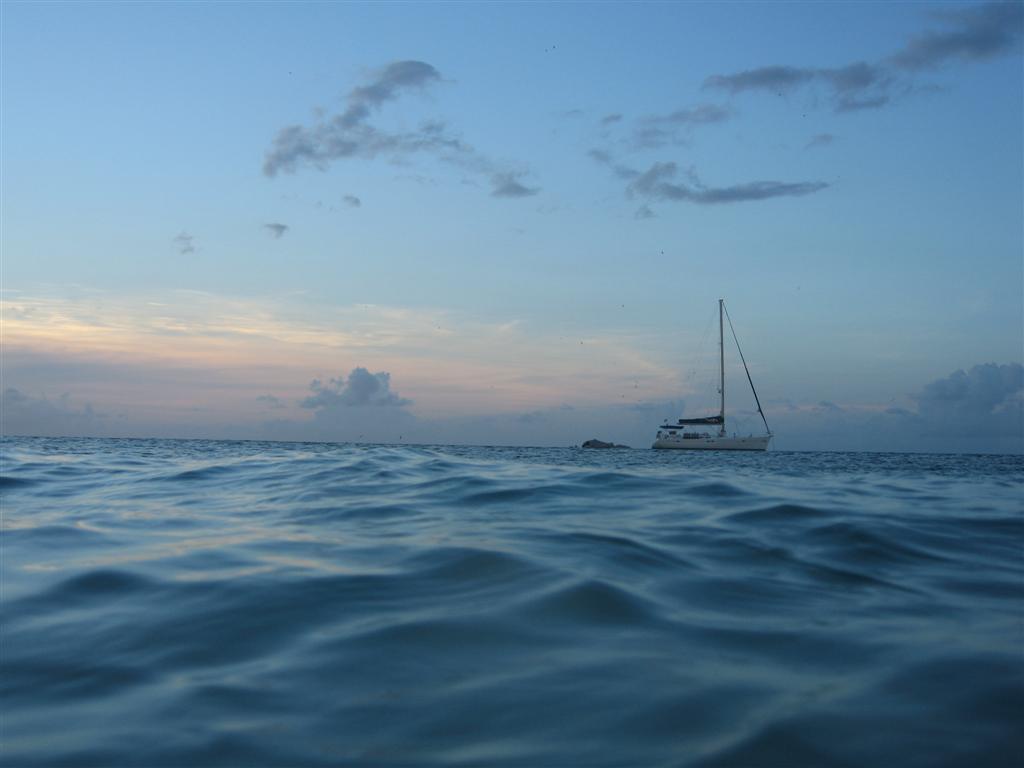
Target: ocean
[{"x": 198, "y": 603}]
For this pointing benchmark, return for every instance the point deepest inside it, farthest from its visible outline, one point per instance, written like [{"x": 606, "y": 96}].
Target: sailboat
[{"x": 681, "y": 434}]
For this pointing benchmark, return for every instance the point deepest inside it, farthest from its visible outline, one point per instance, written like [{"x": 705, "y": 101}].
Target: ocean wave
[{"x": 206, "y": 603}]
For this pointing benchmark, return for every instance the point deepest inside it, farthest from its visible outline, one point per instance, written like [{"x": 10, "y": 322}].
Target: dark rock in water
[{"x": 601, "y": 444}]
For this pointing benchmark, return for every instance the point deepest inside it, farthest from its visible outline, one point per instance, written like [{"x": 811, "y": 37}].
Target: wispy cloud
[
  {"x": 351, "y": 134},
  {"x": 614, "y": 117},
  {"x": 772, "y": 78},
  {"x": 820, "y": 140},
  {"x": 657, "y": 131},
  {"x": 185, "y": 243},
  {"x": 508, "y": 185},
  {"x": 971, "y": 33},
  {"x": 661, "y": 183},
  {"x": 856, "y": 86},
  {"x": 352, "y": 201},
  {"x": 603, "y": 157},
  {"x": 276, "y": 230},
  {"x": 347, "y": 134}
]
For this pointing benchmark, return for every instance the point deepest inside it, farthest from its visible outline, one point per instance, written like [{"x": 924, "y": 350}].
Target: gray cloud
[
  {"x": 508, "y": 185},
  {"x": 605, "y": 158},
  {"x": 988, "y": 396},
  {"x": 702, "y": 113},
  {"x": 772, "y": 78},
  {"x": 22, "y": 414},
  {"x": 972, "y": 33},
  {"x": 385, "y": 86},
  {"x": 673, "y": 128},
  {"x": 185, "y": 243},
  {"x": 352, "y": 201},
  {"x": 345, "y": 134},
  {"x": 276, "y": 230},
  {"x": 820, "y": 140},
  {"x": 856, "y": 86},
  {"x": 615, "y": 117},
  {"x": 980, "y": 410},
  {"x": 659, "y": 183},
  {"x": 977, "y": 32},
  {"x": 532, "y": 417},
  {"x": 350, "y": 133},
  {"x": 360, "y": 389}
]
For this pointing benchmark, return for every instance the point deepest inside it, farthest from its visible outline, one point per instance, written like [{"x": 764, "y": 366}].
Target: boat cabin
[{"x": 671, "y": 430}]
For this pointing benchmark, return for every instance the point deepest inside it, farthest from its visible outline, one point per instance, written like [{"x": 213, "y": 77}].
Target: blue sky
[{"x": 849, "y": 176}]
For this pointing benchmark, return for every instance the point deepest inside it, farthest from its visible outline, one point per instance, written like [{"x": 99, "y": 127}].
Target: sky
[{"x": 511, "y": 223}]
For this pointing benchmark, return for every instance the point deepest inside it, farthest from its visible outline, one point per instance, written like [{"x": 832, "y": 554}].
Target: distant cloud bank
[{"x": 977, "y": 410}]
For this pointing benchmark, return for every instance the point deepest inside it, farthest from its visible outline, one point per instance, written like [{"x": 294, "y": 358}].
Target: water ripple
[{"x": 208, "y": 603}]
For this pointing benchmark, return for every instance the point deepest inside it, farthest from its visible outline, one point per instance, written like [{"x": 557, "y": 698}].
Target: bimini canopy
[{"x": 703, "y": 421}]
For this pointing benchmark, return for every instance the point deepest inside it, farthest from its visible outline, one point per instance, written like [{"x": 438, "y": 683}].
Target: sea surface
[{"x": 196, "y": 603}]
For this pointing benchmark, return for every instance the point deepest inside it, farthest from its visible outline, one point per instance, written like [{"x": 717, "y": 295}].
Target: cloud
[
  {"x": 973, "y": 33},
  {"x": 820, "y": 140},
  {"x": 614, "y": 117},
  {"x": 360, "y": 389},
  {"x": 276, "y": 230},
  {"x": 185, "y": 243},
  {"x": 24, "y": 414},
  {"x": 603, "y": 157},
  {"x": 988, "y": 397},
  {"x": 508, "y": 185},
  {"x": 659, "y": 183},
  {"x": 352, "y": 201},
  {"x": 350, "y": 134},
  {"x": 270, "y": 401},
  {"x": 976, "y": 411},
  {"x": 773, "y": 78},
  {"x": 385, "y": 86},
  {"x": 673, "y": 128},
  {"x": 361, "y": 408},
  {"x": 698, "y": 115},
  {"x": 855, "y": 86}
]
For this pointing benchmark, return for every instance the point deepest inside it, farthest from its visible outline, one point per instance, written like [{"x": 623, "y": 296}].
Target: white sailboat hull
[{"x": 677, "y": 442}]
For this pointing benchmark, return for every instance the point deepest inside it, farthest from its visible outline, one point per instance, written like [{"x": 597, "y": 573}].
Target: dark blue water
[{"x": 178, "y": 603}]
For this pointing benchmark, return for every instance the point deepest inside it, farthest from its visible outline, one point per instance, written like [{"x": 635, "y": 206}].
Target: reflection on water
[{"x": 207, "y": 603}]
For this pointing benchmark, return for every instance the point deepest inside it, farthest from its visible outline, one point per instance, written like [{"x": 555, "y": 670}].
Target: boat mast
[{"x": 721, "y": 364}]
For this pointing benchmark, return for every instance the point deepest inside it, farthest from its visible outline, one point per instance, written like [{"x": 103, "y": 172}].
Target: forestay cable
[{"x": 747, "y": 370}]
